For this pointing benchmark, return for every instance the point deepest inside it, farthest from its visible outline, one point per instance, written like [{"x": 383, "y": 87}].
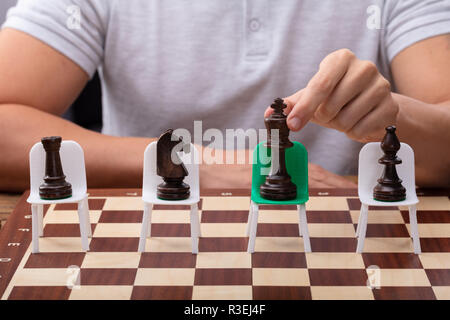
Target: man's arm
[{"x": 37, "y": 84}]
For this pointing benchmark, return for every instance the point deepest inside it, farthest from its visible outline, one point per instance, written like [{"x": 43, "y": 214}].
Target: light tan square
[
  {"x": 101, "y": 293},
  {"x": 224, "y": 260},
  {"x": 435, "y": 260},
  {"x": 331, "y": 230},
  {"x": 165, "y": 277},
  {"x": 118, "y": 230},
  {"x": 388, "y": 245},
  {"x": 123, "y": 203},
  {"x": 278, "y": 216},
  {"x": 222, "y": 293},
  {"x": 171, "y": 216},
  {"x": 442, "y": 293},
  {"x": 327, "y": 203},
  {"x": 432, "y": 230},
  {"x": 341, "y": 293},
  {"x": 223, "y": 230},
  {"x": 335, "y": 260},
  {"x": 118, "y": 260},
  {"x": 279, "y": 244},
  {"x": 379, "y": 216},
  {"x": 226, "y": 203},
  {"x": 433, "y": 203},
  {"x": 403, "y": 278},
  {"x": 69, "y": 216},
  {"x": 174, "y": 244},
  {"x": 42, "y": 277},
  {"x": 280, "y": 277},
  {"x": 60, "y": 244}
]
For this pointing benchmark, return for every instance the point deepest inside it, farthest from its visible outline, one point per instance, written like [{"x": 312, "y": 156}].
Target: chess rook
[
  {"x": 389, "y": 187},
  {"x": 278, "y": 184},
  {"x": 55, "y": 185}
]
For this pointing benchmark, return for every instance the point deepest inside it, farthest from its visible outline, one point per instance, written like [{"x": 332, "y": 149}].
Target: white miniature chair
[
  {"x": 369, "y": 172},
  {"x": 149, "y": 188},
  {"x": 72, "y": 159}
]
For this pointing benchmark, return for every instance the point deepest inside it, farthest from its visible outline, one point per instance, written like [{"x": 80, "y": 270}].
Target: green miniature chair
[{"x": 297, "y": 167}]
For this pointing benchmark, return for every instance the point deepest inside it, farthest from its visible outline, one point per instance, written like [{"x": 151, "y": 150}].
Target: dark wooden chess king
[
  {"x": 389, "y": 187},
  {"x": 55, "y": 185},
  {"x": 171, "y": 170},
  {"x": 278, "y": 184}
]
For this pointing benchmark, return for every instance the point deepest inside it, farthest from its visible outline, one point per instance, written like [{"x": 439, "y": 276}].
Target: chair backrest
[
  {"x": 296, "y": 165},
  {"x": 151, "y": 179},
  {"x": 72, "y": 160},
  {"x": 369, "y": 170}
]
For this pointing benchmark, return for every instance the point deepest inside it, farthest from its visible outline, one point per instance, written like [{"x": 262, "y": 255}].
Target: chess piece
[
  {"x": 278, "y": 184},
  {"x": 173, "y": 173},
  {"x": 389, "y": 187},
  {"x": 55, "y": 185}
]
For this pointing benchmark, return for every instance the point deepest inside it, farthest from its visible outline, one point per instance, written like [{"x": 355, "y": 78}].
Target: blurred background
[{"x": 87, "y": 109}]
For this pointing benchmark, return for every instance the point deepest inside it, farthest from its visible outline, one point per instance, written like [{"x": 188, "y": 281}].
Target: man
[{"x": 168, "y": 63}]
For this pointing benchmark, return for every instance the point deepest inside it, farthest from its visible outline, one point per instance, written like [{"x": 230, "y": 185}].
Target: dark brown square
[
  {"x": 114, "y": 244},
  {"x": 277, "y": 230},
  {"x": 162, "y": 293},
  {"x": 328, "y": 217},
  {"x": 217, "y": 277},
  {"x": 278, "y": 260},
  {"x": 107, "y": 276},
  {"x": 116, "y": 216},
  {"x": 167, "y": 260},
  {"x": 424, "y": 216},
  {"x": 171, "y": 230},
  {"x": 385, "y": 230},
  {"x": 222, "y": 244},
  {"x": 438, "y": 277},
  {"x": 64, "y": 230},
  {"x": 333, "y": 244},
  {"x": 281, "y": 293},
  {"x": 39, "y": 293},
  {"x": 392, "y": 260},
  {"x": 55, "y": 260},
  {"x": 435, "y": 244},
  {"x": 337, "y": 277},
  {"x": 224, "y": 216},
  {"x": 404, "y": 293}
]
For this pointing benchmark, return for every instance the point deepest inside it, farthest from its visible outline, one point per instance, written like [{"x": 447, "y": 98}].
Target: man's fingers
[
  {"x": 332, "y": 70},
  {"x": 289, "y": 101}
]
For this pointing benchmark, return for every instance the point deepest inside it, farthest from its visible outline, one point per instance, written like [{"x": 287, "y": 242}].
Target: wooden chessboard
[{"x": 279, "y": 269}]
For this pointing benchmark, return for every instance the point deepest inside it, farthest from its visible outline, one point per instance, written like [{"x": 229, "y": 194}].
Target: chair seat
[
  {"x": 301, "y": 199},
  {"x": 152, "y": 198},
  {"x": 411, "y": 199},
  {"x": 77, "y": 197}
]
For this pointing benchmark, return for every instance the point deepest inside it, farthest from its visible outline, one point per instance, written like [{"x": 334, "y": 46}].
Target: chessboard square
[
  {"x": 341, "y": 293},
  {"x": 216, "y": 276},
  {"x": 174, "y": 244},
  {"x": 388, "y": 245},
  {"x": 117, "y": 230},
  {"x": 297, "y": 277},
  {"x": 117, "y": 216},
  {"x": 167, "y": 260},
  {"x": 278, "y": 216},
  {"x": 331, "y": 230},
  {"x": 97, "y": 292},
  {"x": 379, "y": 216},
  {"x": 107, "y": 276},
  {"x": 434, "y": 203},
  {"x": 41, "y": 277},
  {"x": 327, "y": 204},
  {"x": 224, "y": 216},
  {"x": 171, "y": 230},
  {"x": 433, "y": 230},
  {"x": 226, "y": 203},
  {"x": 328, "y": 216},
  {"x": 39, "y": 293},
  {"x": 279, "y": 244},
  {"x": 338, "y": 277},
  {"x": 435, "y": 260},
  {"x": 403, "y": 278},
  {"x": 222, "y": 244},
  {"x": 113, "y": 244},
  {"x": 389, "y": 260},
  {"x": 404, "y": 293},
  {"x": 222, "y": 293},
  {"x": 58, "y": 244},
  {"x": 385, "y": 230},
  {"x": 278, "y": 260},
  {"x": 281, "y": 293},
  {"x": 164, "y": 216},
  {"x": 435, "y": 244},
  {"x": 442, "y": 293},
  {"x": 161, "y": 293},
  {"x": 106, "y": 260},
  {"x": 124, "y": 203},
  {"x": 165, "y": 277},
  {"x": 334, "y": 260},
  {"x": 55, "y": 259},
  {"x": 64, "y": 230},
  {"x": 439, "y": 277},
  {"x": 333, "y": 244},
  {"x": 425, "y": 216},
  {"x": 237, "y": 260},
  {"x": 277, "y": 230},
  {"x": 223, "y": 230},
  {"x": 69, "y": 217}
]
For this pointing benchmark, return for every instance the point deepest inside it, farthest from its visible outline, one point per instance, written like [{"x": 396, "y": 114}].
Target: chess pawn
[
  {"x": 389, "y": 187},
  {"x": 55, "y": 185},
  {"x": 278, "y": 185}
]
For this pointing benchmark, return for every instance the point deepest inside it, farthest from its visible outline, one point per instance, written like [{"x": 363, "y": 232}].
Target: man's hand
[{"x": 346, "y": 94}]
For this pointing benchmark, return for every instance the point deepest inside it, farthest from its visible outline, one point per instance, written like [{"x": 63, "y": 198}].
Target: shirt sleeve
[
  {"x": 75, "y": 28},
  {"x": 410, "y": 21}
]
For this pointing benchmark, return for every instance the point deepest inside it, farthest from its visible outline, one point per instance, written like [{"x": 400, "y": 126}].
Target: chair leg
[
  {"x": 87, "y": 218},
  {"x": 358, "y": 225},
  {"x": 249, "y": 219},
  {"x": 35, "y": 228},
  {"x": 41, "y": 219},
  {"x": 194, "y": 228},
  {"x": 362, "y": 229},
  {"x": 304, "y": 226},
  {"x": 83, "y": 225},
  {"x": 300, "y": 233},
  {"x": 414, "y": 229},
  {"x": 253, "y": 228},
  {"x": 146, "y": 226}
]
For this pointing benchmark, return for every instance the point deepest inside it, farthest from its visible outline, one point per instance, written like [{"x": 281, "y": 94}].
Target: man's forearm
[
  {"x": 110, "y": 161},
  {"x": 426, "y": 128}
]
